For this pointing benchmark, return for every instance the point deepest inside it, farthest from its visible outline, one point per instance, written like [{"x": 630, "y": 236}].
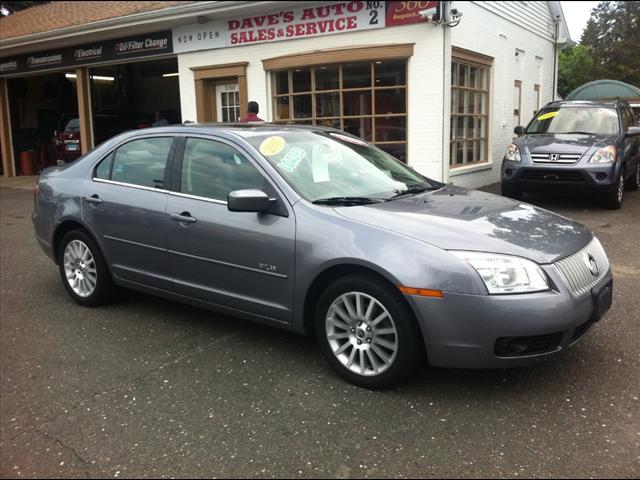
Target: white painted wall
[
  {"x": 490, "y": 28},
  {"x": 425, "y": 78},
  {"x": 486, "y": 27}
]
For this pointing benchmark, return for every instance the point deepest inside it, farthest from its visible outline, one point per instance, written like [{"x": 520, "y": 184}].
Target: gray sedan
[{"x": 316, "y": 231}]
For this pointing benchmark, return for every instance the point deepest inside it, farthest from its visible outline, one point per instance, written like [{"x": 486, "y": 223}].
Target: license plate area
[
  {"x": 602, "y": 299},
  {"x": 72, "y": 147}
]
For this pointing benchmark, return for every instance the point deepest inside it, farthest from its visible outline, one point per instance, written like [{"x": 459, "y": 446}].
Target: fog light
[
  {"x": 508, "y": 172},
  {"x": 601, "y": 176}
]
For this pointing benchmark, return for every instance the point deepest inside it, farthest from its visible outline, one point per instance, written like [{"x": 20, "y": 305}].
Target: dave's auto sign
[{"x": 287, "y": 24}]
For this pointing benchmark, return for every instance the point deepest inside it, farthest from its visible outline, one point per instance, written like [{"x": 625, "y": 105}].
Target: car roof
[
  {"x": 240, "y": 129},
  {"x": 585, "y": 103}
]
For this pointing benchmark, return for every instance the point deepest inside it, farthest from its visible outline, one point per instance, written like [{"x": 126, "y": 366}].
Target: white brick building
[
  {"x": 514, "y": 41},
  {"x": 443, "y": 96}
]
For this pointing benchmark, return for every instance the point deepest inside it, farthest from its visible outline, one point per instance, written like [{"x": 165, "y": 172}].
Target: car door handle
[
  {"x": 184, "y": 217},
  {"x": 95, "y": 199}
]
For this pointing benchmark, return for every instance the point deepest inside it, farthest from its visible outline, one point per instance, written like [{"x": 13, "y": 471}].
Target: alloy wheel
[
  {"x": 80, "y": 268},
  {"x": 361, "y": 333},
  {"x": 620, "y": 187}
]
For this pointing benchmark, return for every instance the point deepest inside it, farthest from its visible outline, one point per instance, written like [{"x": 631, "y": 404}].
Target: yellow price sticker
[
  {"x": 272, "y": 145},
  {"x": 546, "y": 116}
]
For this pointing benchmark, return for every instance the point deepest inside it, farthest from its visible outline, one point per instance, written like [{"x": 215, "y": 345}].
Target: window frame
[
  {"x": 167, "y": 179},
  {"x": 371, "y": 89},
  {"x": 470, "y": 59}
]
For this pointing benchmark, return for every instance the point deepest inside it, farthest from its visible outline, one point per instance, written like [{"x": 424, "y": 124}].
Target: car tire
[
  {"x": 615, "y": 196},
  {"x": 633, "y": 182},
  {"x": 374, "y": 342},
  {"x": 83, "y": 270},
  {"x": 511, "y": 192}
]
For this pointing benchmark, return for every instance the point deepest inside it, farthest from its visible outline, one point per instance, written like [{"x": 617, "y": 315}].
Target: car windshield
[
  {"x": 585, "y": 120},
  {"x": 322, "y": 166},
  {"x": 73, "y": 126}
]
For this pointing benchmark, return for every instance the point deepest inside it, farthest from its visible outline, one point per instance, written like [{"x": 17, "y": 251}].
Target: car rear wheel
[
  {"x": 511, "y": 192},
  {"x": 368, "y": 333},
  {"x": 616, "y": 195},
  {"x": 83, "y": 270},
  {"x": 633, "y": 182}
]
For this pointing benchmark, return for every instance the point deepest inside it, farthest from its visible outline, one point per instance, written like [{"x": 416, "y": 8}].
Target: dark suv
[{"x": 580, "y": 145}]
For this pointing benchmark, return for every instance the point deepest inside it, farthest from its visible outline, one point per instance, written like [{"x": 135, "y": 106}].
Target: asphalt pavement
[{"x": 149, "y": 388}]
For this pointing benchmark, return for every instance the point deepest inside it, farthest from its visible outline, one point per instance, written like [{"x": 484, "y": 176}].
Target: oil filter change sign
[{"x": 333, "y": 17}]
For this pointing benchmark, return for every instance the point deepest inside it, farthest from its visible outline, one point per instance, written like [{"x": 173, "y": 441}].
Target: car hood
[
  {"x": 564, "y": 143},
  {"x": 454, "y": 218}
]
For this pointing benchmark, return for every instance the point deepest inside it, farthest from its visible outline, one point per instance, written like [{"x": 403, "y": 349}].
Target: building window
[
  {"x": 367, "y": 99},
  {"x": 536, "y": 98},
  {"x": 517, "y": 103},
  {"x": 469, "y": 110}
]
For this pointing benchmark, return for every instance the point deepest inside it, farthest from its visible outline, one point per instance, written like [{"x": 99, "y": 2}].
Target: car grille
[
  {"x": 575, "y": 270},
  {"x": 563, "y": 158},
  {"x": 552, "y": 175},
  {"x": 581, "y": 330}
]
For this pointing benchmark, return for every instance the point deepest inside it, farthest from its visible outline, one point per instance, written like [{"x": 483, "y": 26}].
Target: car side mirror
[
  {"x": 249, "y": 201},
  {"x": 519, "y": 131},
  {"x": 633, "y": 132}
]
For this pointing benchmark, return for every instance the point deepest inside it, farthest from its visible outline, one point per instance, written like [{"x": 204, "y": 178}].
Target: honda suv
[{"x": 578, "y": 145}]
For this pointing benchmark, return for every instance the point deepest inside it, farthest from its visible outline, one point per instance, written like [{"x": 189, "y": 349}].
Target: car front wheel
[
  {"x": 83, "y": 269},
  {"x": 368, "y": 333},
  {"x": 633, "y": 182},
  {"x": 616, "y": 195}
]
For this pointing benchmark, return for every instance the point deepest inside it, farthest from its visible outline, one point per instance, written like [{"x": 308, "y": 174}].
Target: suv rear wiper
[{"x": 347, "y": 201}]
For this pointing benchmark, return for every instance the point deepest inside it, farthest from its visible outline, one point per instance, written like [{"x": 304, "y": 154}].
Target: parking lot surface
[{"x": 150, "y": 388}]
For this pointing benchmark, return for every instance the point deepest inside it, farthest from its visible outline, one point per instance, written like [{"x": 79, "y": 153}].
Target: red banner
[{"x": 406, "y": 13}]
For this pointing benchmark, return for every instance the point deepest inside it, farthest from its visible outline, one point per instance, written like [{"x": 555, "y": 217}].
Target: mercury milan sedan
[{"x": 315, "y": 231}]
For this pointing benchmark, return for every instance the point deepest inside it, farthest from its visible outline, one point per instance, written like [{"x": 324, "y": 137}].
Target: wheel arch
[{"x": 334, "y": 272}]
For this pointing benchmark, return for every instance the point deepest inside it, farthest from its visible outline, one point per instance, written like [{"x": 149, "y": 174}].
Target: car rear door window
[
  {"x": 212, "y": 169},
  {"x": 103, "y": 170},
  {"x": 142, "y": 162}
]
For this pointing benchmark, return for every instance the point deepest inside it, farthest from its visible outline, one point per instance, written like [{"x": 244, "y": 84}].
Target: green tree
[
  {"x": 613, "y": 35},
  {"x": 575, "y": 66}
]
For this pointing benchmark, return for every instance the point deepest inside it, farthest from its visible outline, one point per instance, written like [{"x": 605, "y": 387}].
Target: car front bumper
[
  {"x": 584, "y": 176},
  {"x": 464, "y": 331}
]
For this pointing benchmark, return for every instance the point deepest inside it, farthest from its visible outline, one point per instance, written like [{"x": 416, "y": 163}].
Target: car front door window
[{"x": 212, "y": 170}]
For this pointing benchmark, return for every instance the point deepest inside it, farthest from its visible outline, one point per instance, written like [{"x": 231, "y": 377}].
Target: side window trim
[{"x": 171, "y": 158}]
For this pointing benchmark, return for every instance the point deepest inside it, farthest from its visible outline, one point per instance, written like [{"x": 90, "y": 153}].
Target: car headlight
[
  {"x": 505, "y": 273},
  {"x": 604, "y": 155},
  {"x": 512, "y": 153}
]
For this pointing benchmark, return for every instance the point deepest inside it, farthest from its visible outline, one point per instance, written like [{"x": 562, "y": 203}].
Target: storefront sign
[
  {"x": 123, "y": 48},
  {"x": 334, "y": 17}
]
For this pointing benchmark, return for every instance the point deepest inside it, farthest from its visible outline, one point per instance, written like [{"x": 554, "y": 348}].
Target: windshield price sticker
[
  {"x": 272, "y": 146},
  {"x": 291, "y": 161},
  {"x": 547, "y": 116}
]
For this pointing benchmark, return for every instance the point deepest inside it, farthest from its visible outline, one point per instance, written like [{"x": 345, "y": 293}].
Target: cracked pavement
[{"x": 150, "y": 388}]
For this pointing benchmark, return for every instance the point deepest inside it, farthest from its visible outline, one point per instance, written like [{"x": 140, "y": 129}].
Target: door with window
[
  {"x": 240, "y": 260},
  {"x": 125, "y": 203},
  {"x": 227, "y": 101}
]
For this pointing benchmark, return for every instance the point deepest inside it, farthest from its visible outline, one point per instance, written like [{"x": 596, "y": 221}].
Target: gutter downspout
[{"x": 556, "y": 24}]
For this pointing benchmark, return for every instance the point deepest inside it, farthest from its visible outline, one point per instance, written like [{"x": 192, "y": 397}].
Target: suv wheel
[
  {"x": 83, "y": 269},
  {"x": 511, "y": 192},
  {"x": 633, "y": 183},
  {"x": 367, "y": 332},
  {"x": 616, "y": 195}
]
